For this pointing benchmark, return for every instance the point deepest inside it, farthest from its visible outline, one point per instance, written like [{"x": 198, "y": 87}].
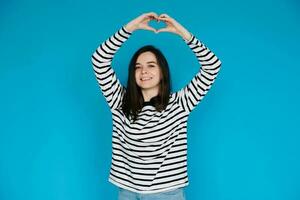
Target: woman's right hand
[{"x": 141, "y": 22}]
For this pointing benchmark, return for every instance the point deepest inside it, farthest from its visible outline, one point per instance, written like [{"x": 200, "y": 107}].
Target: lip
[{"x": 147, "y": 78}]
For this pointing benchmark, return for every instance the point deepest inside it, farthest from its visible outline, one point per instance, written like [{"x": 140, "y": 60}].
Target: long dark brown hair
[{"x": 133, "y": 99}]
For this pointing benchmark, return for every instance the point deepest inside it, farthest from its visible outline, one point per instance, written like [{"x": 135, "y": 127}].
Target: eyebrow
[{"x": 147, "y": 62}]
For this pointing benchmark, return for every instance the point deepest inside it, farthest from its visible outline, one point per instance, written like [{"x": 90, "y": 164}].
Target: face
[{"x": 147, "y": 72}]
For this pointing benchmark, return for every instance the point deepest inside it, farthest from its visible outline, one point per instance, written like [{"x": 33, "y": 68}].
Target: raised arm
[
  {"x": 109, "y": 84},
  {"x": 193, "y": 93}
]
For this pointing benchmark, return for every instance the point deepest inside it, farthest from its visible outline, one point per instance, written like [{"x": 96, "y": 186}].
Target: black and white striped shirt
[{"x": 149, "y": 155}]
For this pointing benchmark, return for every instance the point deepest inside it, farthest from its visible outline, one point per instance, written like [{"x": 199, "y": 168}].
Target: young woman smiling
[{"x": 149, "y": 150}]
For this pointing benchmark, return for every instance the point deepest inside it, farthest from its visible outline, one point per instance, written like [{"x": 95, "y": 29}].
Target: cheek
[
  {"x": 136, "y": 76},
  {"x": 158, "y": 74}
]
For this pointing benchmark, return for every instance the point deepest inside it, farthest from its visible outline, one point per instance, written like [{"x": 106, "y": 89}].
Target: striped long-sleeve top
[{"x": 149, "y": 155}]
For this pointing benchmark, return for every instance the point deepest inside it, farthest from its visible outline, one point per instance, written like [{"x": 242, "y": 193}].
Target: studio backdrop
[{"x": 56, "y": 127}]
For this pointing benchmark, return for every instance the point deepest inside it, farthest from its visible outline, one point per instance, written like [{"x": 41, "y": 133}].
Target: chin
[{"x": 146, "y": 87}]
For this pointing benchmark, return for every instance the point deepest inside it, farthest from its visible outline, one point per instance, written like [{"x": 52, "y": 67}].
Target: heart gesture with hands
[{"x": 172, "y": 26}]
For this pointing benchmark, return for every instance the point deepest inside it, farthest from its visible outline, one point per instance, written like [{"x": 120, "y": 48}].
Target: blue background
[{"x": 55, "y": 132}]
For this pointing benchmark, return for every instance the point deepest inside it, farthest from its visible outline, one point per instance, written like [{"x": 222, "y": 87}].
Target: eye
[
  {"x": 137, "y": 67},
  {"x": 151, "y": 65}
]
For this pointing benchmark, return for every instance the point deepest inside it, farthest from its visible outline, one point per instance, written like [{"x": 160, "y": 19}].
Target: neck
[{"x": 148, "y": 94}]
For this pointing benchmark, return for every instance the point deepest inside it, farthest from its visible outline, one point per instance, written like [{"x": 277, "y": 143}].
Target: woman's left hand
[{"x": 173, "y": 26}]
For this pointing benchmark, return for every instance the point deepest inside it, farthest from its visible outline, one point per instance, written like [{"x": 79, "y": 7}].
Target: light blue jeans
[{"x": 177, "y": 194}]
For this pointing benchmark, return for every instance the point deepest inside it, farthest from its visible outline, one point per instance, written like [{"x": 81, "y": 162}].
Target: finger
[
  {"x": 164, "y": 19},
  {"x": 149, "y": 28},
  {"x": 147, "y": 16},
  {"x": 152, "y": 15},
  {"x": 164, "y": 16},
  {"x": 162, "y": 30},
  {"x": 153, "y": 18}
]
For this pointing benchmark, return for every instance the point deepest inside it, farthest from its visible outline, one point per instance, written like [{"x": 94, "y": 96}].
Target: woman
[{"x": 149, "y": 156}]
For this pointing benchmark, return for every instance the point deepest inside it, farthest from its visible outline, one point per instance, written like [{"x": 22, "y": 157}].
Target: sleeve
[
  {"x": 190, "y": 96},
  {"x": 109, "y": 84}
]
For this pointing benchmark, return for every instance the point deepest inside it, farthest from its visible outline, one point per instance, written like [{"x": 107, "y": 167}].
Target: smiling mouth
[{"x": 146, "y": 79}]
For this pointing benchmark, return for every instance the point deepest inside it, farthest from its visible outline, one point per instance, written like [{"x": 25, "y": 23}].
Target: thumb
[
  {"x": 149, "y": 28},
  {"x": 162, "y": 30}
]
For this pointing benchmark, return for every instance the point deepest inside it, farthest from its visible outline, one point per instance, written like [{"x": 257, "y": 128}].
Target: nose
[{"x": 144, "y": 71}]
